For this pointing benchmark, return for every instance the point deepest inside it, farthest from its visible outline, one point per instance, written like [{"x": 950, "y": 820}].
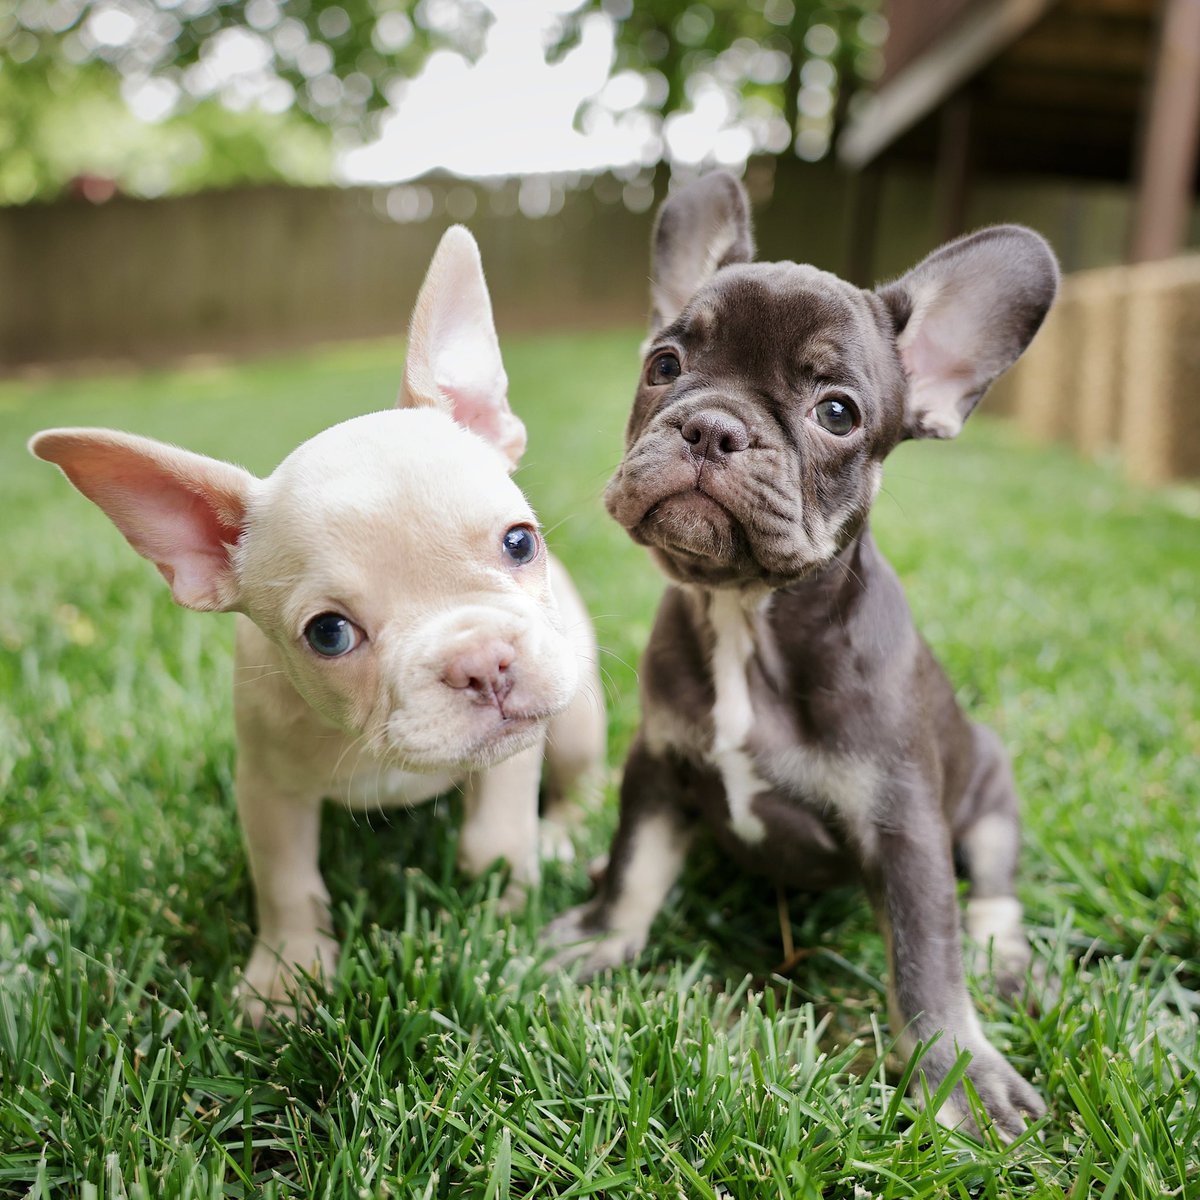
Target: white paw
[
  {"x": 513, "y": 899},
  {"x": 554, "y": 842},
  {"x": 273, "y": 975},
  {"x": 1000, "y": 945},
  {"x": 586, "y": 948}
]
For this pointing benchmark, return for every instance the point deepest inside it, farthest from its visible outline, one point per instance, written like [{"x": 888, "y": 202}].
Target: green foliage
[
  {"x": 84, "y": 138},
  {"x": 73, "y": 74},
  {"x": 445, "y": 1061},
  {"x": 68, "y": 67},
  {"x": 757, "y": 50}
]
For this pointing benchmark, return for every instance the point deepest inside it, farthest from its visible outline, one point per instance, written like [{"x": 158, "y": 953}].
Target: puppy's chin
[
  {"x": 696, "y": 540},
  {"x": 693, "y": 523},
  {"x": 475, "y": 751}
]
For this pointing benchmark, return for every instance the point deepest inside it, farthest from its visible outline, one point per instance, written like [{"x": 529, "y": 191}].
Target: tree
[
  {"x": 308, "y": 71},
  {"x": 174, "y": 94},
  {"x": 788, "y": 67}
]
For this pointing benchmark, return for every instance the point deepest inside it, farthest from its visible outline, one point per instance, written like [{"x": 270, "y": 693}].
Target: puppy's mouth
[
  {"x": 512, "y": 733},
  {"x": 507, "y": 735},
  {"x": 696, "y": 539},
  {"x": 691, "y": 523},
  {"x": 711, "y": 533}
]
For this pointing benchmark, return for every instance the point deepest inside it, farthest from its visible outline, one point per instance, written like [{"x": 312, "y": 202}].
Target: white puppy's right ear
[
  {"x": 453, "y": 353},
  {"x": 182, "y": 511}
]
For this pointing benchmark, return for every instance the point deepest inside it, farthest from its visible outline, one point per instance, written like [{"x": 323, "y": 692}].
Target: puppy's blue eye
[
  {"x": 332, "y": 635},
  {"x": 665, "y": 368},
  {"x": 836, "y": 414},
  {"x": 521, "y": 544}
]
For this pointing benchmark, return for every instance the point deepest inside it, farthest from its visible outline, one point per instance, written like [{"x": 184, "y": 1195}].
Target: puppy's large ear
[
  {"x": 182, "y": 511},
  {"x": 453, "y": 353},
  {"x": 703, "y": 227},
  {"x": 963, "y": 316}
]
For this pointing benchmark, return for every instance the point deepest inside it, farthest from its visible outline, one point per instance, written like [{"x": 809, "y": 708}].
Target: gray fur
[{"x": 789, "y": 704}]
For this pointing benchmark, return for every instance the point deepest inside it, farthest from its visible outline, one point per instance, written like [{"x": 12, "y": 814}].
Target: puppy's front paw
[
  {"x": 273, "y": 978},
  {"x": 554, "y": 841},
  {"x": 1000, "y": 947},
  {"x": 1009, "y": 1101},
  {"x": 513, "y": 899},
  {"x": 588, "y": 944}
]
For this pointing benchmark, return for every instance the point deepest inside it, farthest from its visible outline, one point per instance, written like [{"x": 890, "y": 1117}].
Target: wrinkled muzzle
[{"x": 717, "y": 509}]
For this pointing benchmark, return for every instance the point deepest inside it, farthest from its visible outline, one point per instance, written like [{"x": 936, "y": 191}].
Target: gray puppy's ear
[
  {"x": 700, "y": 229},
  {"x": 962, "y": 316}
]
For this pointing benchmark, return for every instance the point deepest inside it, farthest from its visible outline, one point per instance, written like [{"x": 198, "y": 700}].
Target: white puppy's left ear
[
  {"x": 963, "y": 316},
  {"x": 453, "y": 353}
]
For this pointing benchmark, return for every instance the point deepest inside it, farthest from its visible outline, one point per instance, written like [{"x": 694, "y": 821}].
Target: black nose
[{"x": 713, "y": 435}]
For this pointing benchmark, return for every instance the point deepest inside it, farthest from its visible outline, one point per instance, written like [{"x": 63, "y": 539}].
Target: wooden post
[
  {"x": 1167, "y": 166},
  {"x": 865, "y": 186},
  {"x": 953, "y": 175},
  {"x": 1160, "y": 419}
]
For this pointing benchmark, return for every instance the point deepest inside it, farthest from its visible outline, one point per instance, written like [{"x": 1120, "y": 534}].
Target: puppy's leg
[
  {"x": 282, "y": 835},
  {"x": 989, "y": 844},
  {"x": 647, "y": 855},
  {"x": 574, "y": 769},
  {"x": 501, "y": 821},
  {"x": 911, "y": 881},
  {"x": 575, "y": 744}
]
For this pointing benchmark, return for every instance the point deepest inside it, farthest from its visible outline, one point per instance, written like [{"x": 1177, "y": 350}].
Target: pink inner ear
[
  {"x": 483, "y": 409},
  {"x": 927, "y": 357},
  {"x": 479, "y": 412},
  {"x": 940, "y": 374},
  {"x": 470, "y": 375},
  {"x": 179, "y": 510},
  {"x": 183, "y": 534},
  {"x": 454, "y": 354}
]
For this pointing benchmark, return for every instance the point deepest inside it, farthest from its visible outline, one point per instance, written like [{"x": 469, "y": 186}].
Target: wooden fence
[
  {"x": 1116, "y": 368},
  {"x": 263, "y": 269}
]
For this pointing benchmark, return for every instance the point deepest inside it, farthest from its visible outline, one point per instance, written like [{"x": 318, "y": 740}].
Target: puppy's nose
[
  {"x": 483, "y": 672},
  {"x": 713, "y": 435}
]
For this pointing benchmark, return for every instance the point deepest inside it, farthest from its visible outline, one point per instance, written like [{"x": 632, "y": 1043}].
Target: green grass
[{"x": 445, "y": 1061}]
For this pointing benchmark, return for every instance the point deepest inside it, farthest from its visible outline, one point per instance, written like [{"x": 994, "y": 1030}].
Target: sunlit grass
[{"x": 445, "y": 1060}]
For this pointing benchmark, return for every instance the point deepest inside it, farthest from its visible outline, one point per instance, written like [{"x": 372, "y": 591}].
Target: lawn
[{"x": 447, "y": 1061}]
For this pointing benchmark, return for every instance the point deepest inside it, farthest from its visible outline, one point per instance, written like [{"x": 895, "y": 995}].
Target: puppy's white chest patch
[
  {"x": 733, "y": 714},
  {"x": 373, "y": 785}
]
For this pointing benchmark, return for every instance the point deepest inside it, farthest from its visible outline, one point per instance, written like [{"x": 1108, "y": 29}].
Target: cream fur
[{"x": 395, "y": 521}]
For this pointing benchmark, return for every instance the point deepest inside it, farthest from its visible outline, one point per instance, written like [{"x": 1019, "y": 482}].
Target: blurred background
[{"x": 184, "y": 177}]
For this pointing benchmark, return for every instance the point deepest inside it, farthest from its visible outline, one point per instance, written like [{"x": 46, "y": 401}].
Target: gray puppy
[{"x": 788, "y": 702}]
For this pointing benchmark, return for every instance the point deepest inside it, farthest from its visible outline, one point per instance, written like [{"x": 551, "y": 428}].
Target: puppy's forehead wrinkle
[{"x": 811, "y": 322}]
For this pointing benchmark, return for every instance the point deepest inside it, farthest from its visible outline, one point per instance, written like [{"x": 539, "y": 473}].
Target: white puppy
[{"x": 404, "y": 630}]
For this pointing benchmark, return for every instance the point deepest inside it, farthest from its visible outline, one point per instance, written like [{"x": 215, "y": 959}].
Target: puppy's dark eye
[
  {"x": 664, "y": 368},
  {"x": 836, "y": 414},
  {"x": 521, "y": 544},
  {"x": 331, "y": 635}
]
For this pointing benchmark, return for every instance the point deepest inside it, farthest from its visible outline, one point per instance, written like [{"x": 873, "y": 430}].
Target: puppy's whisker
[
  {"x": 356, "y": 743},
  {"x": 609, "y": 684},
  {"x": 549, "y": 529},
  {"x": 260, "y": 674},
  {"x": 886, "y": 491},
  {"x": 613, "y": 654}
]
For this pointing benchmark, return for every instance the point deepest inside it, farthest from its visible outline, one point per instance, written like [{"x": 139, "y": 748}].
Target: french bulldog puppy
[
  {"x": 788, "y": 702},
  {"x": 402, "y": 629}
]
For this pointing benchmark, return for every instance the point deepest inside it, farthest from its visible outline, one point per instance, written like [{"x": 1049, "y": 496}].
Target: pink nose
[{"x": 483, "y": 672}]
